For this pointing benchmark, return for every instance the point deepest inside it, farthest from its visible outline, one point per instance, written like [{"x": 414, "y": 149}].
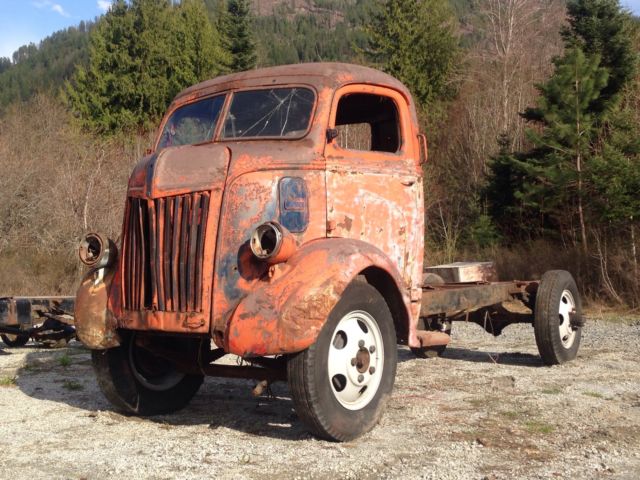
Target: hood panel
[{"x": 181, "y": 170}]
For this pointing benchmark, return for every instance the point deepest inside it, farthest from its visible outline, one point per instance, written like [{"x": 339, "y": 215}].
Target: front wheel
[
  {"x": 136, "y": 381},
  {"x": 558, "y": 317},
  {"x": 341, "y": 383}
]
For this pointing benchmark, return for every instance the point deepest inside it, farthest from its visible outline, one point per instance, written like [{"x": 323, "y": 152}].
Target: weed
[
  {"x": 593, "y": 394},
  {"x": 552, "y": 391},
  {"x": 65, "y": 360},
  {"x": 71, "y": 385},
  {"x": 533, "y": 426},
  {"x": 7, "y": 381},
  {"x": 511, "y": 415}
]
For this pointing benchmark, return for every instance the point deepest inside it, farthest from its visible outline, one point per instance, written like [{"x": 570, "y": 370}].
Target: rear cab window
[{"x": 368, "y": 122}]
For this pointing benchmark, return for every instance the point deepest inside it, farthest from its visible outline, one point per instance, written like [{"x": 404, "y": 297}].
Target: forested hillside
[{"x": 532, "y": 108}]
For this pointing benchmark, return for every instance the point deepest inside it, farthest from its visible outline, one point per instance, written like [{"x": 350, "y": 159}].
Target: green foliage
[
  {"x": 329, "y": 34},
  {"x": 239, "y": 30},
  {"x": 603, "y": 28},
  {"x": 64, "y": 360},
  {"x": 45, "y": 67},
  {"x": 141, "y": 54},
  {"x": 582, "y": 169},
  {"x": 483, "y": 232},
  {"x": 553, "y": 169},
  {"x": 503, "y": 181},
  {"x": 416, "y": 41}
]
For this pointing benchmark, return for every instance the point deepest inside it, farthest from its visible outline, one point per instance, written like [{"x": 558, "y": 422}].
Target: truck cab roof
[{"x": 323, "y": 75}]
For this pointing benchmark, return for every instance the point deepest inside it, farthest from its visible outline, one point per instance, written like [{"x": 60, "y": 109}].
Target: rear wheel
[
  {"x": 14, "y": 340},
  {"x": 341, "y": 383},
  {"x": 136, "y": 381},
  {"x": 558, "y": 316}
]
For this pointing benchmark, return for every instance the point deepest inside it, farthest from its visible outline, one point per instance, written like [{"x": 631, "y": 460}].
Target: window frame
[
  {"x": 380, "y": 91},
  {"x": 186, "y": 103}
]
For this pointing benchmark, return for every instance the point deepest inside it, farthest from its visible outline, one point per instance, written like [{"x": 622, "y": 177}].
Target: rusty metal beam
[{"x": 455, "y": 298}]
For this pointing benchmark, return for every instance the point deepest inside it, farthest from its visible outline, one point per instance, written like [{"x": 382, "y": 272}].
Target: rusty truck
[{"x": 279, "y": 217}]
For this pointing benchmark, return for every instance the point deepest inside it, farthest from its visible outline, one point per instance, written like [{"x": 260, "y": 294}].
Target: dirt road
[{"x": 486, "y": 409}]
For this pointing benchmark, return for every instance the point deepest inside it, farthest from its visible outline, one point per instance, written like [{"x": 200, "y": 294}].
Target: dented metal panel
[{"x": 284, "y": 312}]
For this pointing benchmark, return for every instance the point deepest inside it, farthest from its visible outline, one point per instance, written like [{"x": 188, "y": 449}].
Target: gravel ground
[{"x": 487, "y": 409}]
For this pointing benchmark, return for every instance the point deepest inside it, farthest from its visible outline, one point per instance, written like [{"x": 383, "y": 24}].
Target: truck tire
[
  {"x": 341, "y": 384},
  {"x": 14, "y": 340},
  {"x": 137, "y": 382},
  {"x": 557, "y": 316}
]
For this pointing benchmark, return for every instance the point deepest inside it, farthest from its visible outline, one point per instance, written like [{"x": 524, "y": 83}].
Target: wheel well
[{"x": 382, "y": 281}]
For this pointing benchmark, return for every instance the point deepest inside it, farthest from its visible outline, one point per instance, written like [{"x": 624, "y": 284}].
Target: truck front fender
[
  {"x": 286, "y": 313},
  {"x": 95, "y": 324}
]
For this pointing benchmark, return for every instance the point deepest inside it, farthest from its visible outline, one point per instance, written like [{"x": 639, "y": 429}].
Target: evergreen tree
[
  {"x": 555, "y": 169},
  {"x": 602, "y": 27},
  {"x": 141, "y": 54},
  {"x": 198, "y": 45},
  {"x": 582, "y": 168},
  {"x": 240, "y": 35},
  {"x": 416, "y": 41}
]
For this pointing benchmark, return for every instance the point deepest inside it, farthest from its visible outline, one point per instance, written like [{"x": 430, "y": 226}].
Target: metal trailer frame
[{"x": 48, "y": 320}]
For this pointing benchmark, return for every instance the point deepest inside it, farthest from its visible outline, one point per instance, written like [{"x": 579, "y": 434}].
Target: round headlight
[
  {"x": 272, "y": 243},
  {"x": 97, "y": 251}
]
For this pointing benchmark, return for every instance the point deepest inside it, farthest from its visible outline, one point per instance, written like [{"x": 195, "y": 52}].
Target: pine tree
[
  {"x": 580, "y": 171},
  {"x": 197, "y": 44},
  {"x": 141, "y": 54},
  {"x": 416, "y": 41},
  {"x": 239, "y": 30},
  {"x": 602, "y": 27},
  {"x": 555, "y": 168}
]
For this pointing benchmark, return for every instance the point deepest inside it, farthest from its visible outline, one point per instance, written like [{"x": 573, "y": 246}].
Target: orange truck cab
[{"x": 280, "y": 218}]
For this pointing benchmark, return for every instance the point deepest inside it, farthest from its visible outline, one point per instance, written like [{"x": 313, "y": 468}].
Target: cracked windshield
[{"x": 276, "y": 112}]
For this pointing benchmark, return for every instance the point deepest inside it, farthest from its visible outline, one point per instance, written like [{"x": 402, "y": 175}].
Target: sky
[{"x": 25, "y": 21}]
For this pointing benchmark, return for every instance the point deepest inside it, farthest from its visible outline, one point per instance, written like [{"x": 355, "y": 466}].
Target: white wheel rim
[
  {"x": 158, "y": 384},
  {"x": 355, "y": 360},
  {"x": 566, "y": 310}
]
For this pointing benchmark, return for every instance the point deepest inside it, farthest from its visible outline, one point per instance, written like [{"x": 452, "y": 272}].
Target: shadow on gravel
[
  {"x": 505, "y": 358},
  {"x": 477, "y": 356},
  {"x": 66, "y": 376}
]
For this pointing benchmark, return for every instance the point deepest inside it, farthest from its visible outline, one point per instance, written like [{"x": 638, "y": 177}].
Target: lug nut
[
  {"x": 360, "y": 378},
  {"x": 361, "y": 343},
  {"x": 372, "y": 349},
  {"x": 372, "y": 370}
]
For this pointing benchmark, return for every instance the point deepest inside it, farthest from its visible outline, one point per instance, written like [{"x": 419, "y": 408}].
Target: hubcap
[
  {"x": 567, "y": 309},
  {"x": 356, "y": 360}
]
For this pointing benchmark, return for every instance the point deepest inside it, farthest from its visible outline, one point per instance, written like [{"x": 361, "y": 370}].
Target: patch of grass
[
  {"x": 72, "y": 386},
  {"x": 534, "y": 426},
  {"x": 64, "y": 360},
  {"x": 593, "y": 394},
  {"x": 511, "y": 415},
  {"x": 7, "y": 381},
  {"x": 552, "y": 391}
]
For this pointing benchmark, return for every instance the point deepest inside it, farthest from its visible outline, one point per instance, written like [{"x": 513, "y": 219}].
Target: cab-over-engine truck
[{"x": 279, "y": 217}]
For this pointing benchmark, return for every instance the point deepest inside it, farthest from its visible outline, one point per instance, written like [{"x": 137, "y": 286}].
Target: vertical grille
[{"x": 163, "y": 253}]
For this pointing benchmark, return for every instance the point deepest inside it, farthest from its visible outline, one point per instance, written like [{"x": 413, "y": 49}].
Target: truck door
[{"x": 373, "y": 185}]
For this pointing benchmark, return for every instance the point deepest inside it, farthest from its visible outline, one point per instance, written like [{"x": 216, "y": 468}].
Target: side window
[{"x": 368, "y": 122}]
